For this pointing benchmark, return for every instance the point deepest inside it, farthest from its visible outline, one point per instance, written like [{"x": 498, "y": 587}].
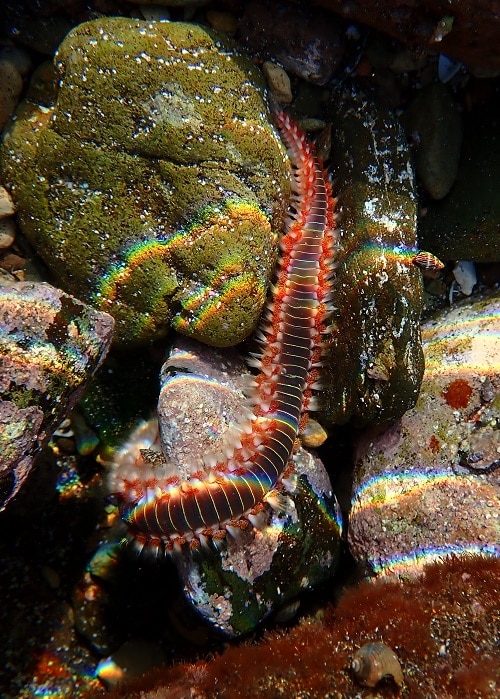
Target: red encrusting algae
[
  {"x": 160, "y": 510},
  {"x": 444, "y": 628},
  {"x": 457, "y": 394}
]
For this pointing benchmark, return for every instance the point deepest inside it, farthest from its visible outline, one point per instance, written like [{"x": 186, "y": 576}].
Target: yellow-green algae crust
[{"x": 154, "y": 186}]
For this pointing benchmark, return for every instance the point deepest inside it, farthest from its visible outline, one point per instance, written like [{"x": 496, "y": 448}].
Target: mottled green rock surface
[
  {"x": 268, "y": 568},
  {"x": 154, "y": 186},
  {"x": 374, "y": 361}
]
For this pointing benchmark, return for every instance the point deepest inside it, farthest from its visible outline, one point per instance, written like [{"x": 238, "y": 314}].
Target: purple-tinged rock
[
  {"x": 50, "y": 345},
  {"x": 429, "y": 485}
]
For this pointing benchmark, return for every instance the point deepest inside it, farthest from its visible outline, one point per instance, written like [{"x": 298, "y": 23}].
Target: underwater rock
[
  {"x": 50, "y": 345},
  {"x": 465, "y": 224},
  {"x": 428, "y": 485},
  {"x": 262, "y": 570},
  {"x": 154, "y": 186},
  {"x": 308, "y": 44},
  {"x": 202, "y": 391},
  {"x": 433, "y": 121},
  {"x": 294, "y": 542},
  {"x": 12, "y": 85},
  {"x": 133, "y": 659},
  {"x": 460, "y": 30},
  {"x": 7, "y": 207},
  {"x": 374, "y": 363},
  {"x": 90, "y": 603},
  {"x": 113, "y": 406}
]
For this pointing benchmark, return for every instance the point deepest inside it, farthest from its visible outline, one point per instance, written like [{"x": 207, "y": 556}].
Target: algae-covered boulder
[
  {"x": 153, "y": 185},
  {"x": 374, "y": 361}
]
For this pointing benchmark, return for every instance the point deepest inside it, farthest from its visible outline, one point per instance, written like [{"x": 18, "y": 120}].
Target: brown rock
[
  {"x": 7, "y": 207},
  {"x": 462, "y": 30},
  {"x": 310, "y": 44}
]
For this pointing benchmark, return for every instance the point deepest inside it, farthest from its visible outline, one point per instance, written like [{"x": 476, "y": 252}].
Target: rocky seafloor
[{"x": 143, "y": 191}]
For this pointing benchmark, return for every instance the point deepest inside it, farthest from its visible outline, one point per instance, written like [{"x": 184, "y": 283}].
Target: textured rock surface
[
  {"x": 50, "y": 345},
  {"x": 444, "y": 628},
  {"x": 154, "y": 185},
  {"x": 374, "y": 362},
  {"x": 269, "y": 567},
  {"x": 295, "y": 546},
  {"x": 429, "y": 484},
  {"x": 202, "y": 390}
]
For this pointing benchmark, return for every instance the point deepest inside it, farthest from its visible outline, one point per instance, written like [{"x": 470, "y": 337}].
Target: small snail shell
[
  {"x": 427, "y": 262},
  {"x": 373, "y": 661}
]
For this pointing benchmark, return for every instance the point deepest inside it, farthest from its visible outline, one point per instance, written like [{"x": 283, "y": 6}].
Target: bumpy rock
[
  {"x": 154, "y": 186},
  {"x": 267, "y": 568},
  {"x": 465, "y": 224},
  {"x": 202, "y": 391},
  {"x": 374, "y": 361},
  {"x": 428, "y": 485},
  {"x": 50, "y": 345}
]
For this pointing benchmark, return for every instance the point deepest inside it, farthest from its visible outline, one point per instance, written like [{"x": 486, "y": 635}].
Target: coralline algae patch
[
  {"x": 152, "y": 182},
  {"x": 429, "y": 536},
  {"x": 440, "y": 634},
  {"x": 427, "y": 486}
]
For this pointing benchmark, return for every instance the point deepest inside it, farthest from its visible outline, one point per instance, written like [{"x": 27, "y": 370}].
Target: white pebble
[{"x": 465, "y": 274}]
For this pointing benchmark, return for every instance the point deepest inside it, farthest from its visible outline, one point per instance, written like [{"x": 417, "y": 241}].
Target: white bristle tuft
[
  {"x": 313, "y": 404},
  {"x": 255, "y": 363}
]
